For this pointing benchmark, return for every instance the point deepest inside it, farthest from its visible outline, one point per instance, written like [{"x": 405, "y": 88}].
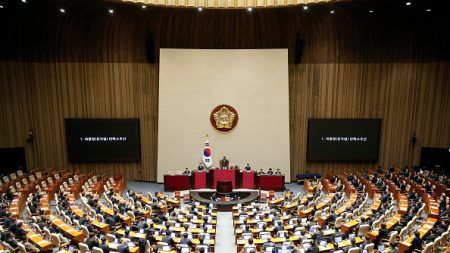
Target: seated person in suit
[
  {"x": 123, "y": 248},
  {"x": 416, "y": 243},
  {"x": 103, "y": 245},
  {"x": 186, "y": 172},
  {"x": 247, "y": 167},
  {"x": 261, "y": 172},
  {"x": 383, "y": 233},
  {"x": 186, "y": 240},
  {"x": 278, "y": 172},
  {"x": 270, "y": 172},
  {"x": 200, "y": 167},
  {"x": 249, "y": 244},
  {"x": 168, "y": 239}
]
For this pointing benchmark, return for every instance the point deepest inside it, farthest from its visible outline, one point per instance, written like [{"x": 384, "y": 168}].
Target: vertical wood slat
[{"x": 91, "y": 64}]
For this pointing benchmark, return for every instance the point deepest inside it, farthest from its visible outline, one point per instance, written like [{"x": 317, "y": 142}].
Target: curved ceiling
[{"x": 228, "y": 4}]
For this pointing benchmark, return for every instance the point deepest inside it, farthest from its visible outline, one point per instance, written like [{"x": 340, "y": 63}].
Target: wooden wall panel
[{"x": 392, "y": 65}]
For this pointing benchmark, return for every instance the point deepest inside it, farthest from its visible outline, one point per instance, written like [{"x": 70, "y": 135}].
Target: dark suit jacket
[
  {"x": 123, "y": 249},
  {"x": 104, "y": 247},
  {"x": 416, "y": 243}
]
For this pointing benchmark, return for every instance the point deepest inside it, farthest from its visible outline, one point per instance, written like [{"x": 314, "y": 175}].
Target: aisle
[{"x": 225, "y": 241}]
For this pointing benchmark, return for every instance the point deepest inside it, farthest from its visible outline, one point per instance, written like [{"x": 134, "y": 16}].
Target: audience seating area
[{"x": 50, "y": 210}]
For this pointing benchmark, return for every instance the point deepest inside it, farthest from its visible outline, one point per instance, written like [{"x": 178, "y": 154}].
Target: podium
[
  {"x": 177, "y": 182},
  {"x": 224, "y": 175},
  {"x": 248, "y": 179},
  {"x": 271, "y": 182},
  {"x": 199, "y": 178}
]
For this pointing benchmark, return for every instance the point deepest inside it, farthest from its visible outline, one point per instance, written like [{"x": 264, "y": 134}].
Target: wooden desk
[
  {"x": 37, "y": 239},
  {"x": 389, "y": 225},
  {"x": 68, "y": 230},
  {"x": 423, "y": 230}
]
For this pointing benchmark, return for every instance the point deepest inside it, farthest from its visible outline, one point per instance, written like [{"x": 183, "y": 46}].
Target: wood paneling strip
[{"x": 392, "y": 65}]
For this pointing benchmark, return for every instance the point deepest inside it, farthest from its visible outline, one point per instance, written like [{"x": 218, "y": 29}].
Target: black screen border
[
  {"x": 134, "y": 120},
  {"x": 380, "y": 124}
]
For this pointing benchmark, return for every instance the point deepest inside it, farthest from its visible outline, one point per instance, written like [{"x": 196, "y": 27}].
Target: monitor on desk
[
  {"x": 116, "y": 241},
  {"x": 381, "y": 248},
  {"x": 185, "y": 250},
  {"x": 71, "y": 248},
  {"x": 323, "y": 243},
  {"x": 131, "y": 245},
  {"x": 304, "y": 220},
  {"x": 141, "y": 231},
  {"x": 351, "y": 236},
  {"x": 364, "y": 251},
  {"x": 338, "y": 239}
]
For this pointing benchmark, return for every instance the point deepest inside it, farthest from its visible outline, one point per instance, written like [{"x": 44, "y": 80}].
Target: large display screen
[
  {"x": 103, "y": 140},
  {"x": 343, "y": 140}
]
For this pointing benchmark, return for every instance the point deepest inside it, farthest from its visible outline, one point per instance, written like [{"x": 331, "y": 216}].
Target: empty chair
[
  {"x": 83, "y": 248},
  {"x": 428, "y": 248},
  {"x": 317, "y": 214},
  {"x": 38, "y": 175},
  {"x": 13, "y": 176},
  {"x": 19, "y": 173},
  {"x": 75, "y": 177},
  {"x": 436, "y": 244},
  {"x": 57, "y": 241},
  {"x": 6, "y": 179},
  {"x": 370, "y": 247},
  {"x": 97, "y": 250},
  {"x": 392, "y": 238},
  {"x": 24, "y": 181},
  {"x": 363, "y": 230},
  {"x": 338, "y": 222},
  {"x": 354, "y": 250},
  {"x": 50, "y": 180},
  {"x": 21, "y": 248},
  {"x": 18, "y": 185},
  {"x": 110, "y": 237}
]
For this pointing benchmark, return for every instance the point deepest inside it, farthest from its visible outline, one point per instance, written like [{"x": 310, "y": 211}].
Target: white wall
[{"x": 194, "y": 81}]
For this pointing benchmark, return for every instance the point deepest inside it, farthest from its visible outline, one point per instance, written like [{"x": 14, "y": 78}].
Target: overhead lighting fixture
[
  {"x": 408, "y": 3},
  {"x": 144, "y": 6},
  {"x": 249, "y": 9},
  {"x": 305, "y": 7},
  {"x": 1, "y": 7},
  {"x": 24, "y": 1},
  {"x": 371, "y": 11},
  {"x": 111, "y": 11},
  {"x": 62, "y": 10},
  {"x": 428, "y": 10},
  {"x": 200, "y": 9},
  {"x": 332, "y": 12}
]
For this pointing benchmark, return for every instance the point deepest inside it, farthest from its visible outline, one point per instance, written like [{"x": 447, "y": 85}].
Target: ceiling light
[
  {"x": 428, "y": 10},
  {"x": 144, "y": 6},
  {"x": 24, "y": 1},
  {"x": 305, "y": 7},
  {"x": 408, "y": 3},
  {"x": 332, "y": 12},
  {"x": 200, "y": 9},
  {"x": 62, "y": 10},
  {"x": 1, "y": 7},
  {"x": 111, "y": 11},
  {"x": 371, "y": 11},
  {"x": 249, "y": 9}
]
